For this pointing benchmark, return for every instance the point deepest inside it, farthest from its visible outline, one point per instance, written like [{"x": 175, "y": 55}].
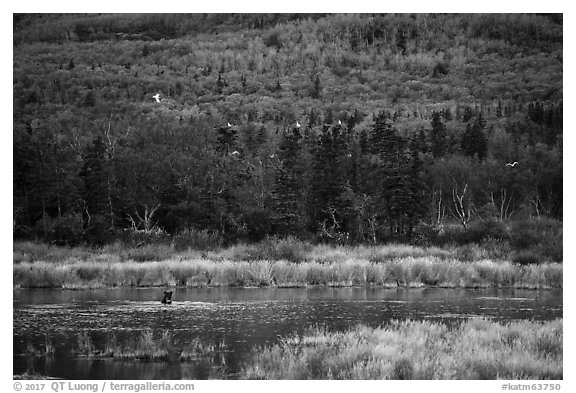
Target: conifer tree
[
  {"x": 474, "y": 141},
  {"x": 328, "y": 179},
  {"x": 227, "y": 137},
  {"x": 316, "y": 89},
  {"x": 438, "y": 136},
  {"x": 96, "y": 194},
  {"x": 94, "y": 174},
  {"x": 289, "y": 187},
  {"x": 312, "y": 118}
]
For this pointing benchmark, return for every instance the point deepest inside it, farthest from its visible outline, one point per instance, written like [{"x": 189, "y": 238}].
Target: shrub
[
  {"x": 541, "y": 236},
  {"x": 273, "y": 248},
  {"x": 470, "y": 252},
  {"x": 523, "y": 237},
  {"x": 441, "y": 68},
  {"x": 477, "y": 232},
  {"x": 148, "y": 253},
  {"x": 67, "y": 230},
  {"x": 98, "y": 231},
  {"x": 425, "y": 235},
  {"x": 257, "y": 224},
  {"x": 198, "y": 240},
  {"x": 527, "y": 233},
  {"x": 273, "y": 39},
  {"x": 134, "y": 238},
  {"x": 526, "y": 258},
  {"x": 481, "y": 231}
]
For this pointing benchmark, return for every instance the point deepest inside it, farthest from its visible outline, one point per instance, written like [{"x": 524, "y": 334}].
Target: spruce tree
[
  {"x": 312, "y": 118},
  {"x": 387, "y": 157},
  {"x": 316, "y": 89},
  {"x": 227, "y": 137},
  {"x": 328, "y": 179},
  {"x": 96, "y": 196},
  {"x": 289, "y": 185},
  {"x": 94, "y": 174},
  {"x": 474, "y": 141},
  {"x": 438, "y": 136}
]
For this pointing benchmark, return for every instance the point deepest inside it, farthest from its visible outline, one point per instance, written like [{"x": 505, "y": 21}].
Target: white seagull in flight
[
  {"x": 297, "y": 125},
  {"x": 339, "y": 123},
  {"x": 512, "y": 164},
  {"x": 229, "y": 125},
  {"x": 157, "y": 97}
]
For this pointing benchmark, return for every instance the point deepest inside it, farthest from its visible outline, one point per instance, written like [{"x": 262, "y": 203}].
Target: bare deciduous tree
[
  {"x": 145, "y": 222},
  {"x": 503, "y": 204},
  {"x": 462, "y": 207}
]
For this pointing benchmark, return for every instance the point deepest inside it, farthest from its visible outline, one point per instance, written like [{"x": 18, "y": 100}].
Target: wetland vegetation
[
  {"x": 473, "y": 349},
  {"x": 277, "y": 263},
  {"x": 214, "y": 152}
]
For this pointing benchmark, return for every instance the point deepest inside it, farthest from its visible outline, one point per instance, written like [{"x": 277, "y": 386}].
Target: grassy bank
[
  {"x": 281, "y": 264},
  {"x": 476, "y": 349},
  {"x": 405, "y": 271},
  {"x": 271, "y": 249}
]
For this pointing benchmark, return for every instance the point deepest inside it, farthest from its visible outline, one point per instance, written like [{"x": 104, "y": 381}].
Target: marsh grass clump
[
  {"x": 261, "y": 273},
  {"x": 196, "y": 349},
  {"x": 28, "y": 375},
  {"x": 49, "y": 348},
  {"x": 475, "y": 349},
  {"x": 142, "y": 347},
  {"x": 145, "y": 346},
  {"x": 402, "y": 369},
  {"x": 85, "y": 345}
]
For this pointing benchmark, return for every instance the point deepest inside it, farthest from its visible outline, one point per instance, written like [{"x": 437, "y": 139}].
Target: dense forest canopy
[{"x": 341, "y": 128}]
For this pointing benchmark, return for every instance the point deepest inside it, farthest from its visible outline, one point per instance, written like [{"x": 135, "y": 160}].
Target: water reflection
[{"x": 242, "y": 318}]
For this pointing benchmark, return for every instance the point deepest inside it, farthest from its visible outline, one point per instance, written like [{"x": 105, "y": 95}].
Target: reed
[
  {"x": 405, "y": 271},
  {"x": 475, "y": 349},
  {"x": 145, "y": 346}
]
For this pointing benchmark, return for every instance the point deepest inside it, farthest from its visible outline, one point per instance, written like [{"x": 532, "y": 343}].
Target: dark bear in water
[{"x": 167, "y": 297}]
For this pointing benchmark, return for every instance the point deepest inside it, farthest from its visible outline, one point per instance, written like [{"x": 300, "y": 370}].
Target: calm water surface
[{"x": 240, "y": 317}]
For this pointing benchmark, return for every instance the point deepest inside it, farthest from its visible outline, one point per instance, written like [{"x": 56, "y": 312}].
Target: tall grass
[
  {"x": 145, "y": 346},
  {"x": 475, "y": 349},
  {"x": 406, "y": 271}
]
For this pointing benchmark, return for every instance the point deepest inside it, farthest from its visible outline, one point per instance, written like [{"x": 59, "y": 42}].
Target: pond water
[{"x": 242, "y": 318}]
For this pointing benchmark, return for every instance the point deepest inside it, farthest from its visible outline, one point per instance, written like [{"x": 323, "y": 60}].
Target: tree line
[
  {"x": 344, "y": 128},
  {"x": 329, "y": 182}
]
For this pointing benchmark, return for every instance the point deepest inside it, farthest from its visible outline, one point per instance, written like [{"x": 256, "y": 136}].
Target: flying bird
[
  {"x": 297, "y": 125},
  {"x": 339, "y": 123},
  {"x": 157, "y": 97},
  {"x": 234, "y": 153},
  {"x": 229, "y": 125},
  {"x": 512, "y": 164}
]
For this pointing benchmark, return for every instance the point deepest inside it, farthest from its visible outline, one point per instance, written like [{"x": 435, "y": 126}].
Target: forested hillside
[{"x": 336, "y": 128}]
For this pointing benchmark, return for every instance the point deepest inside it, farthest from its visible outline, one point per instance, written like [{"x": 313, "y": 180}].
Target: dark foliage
[{"x": 406, "y": 123}]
